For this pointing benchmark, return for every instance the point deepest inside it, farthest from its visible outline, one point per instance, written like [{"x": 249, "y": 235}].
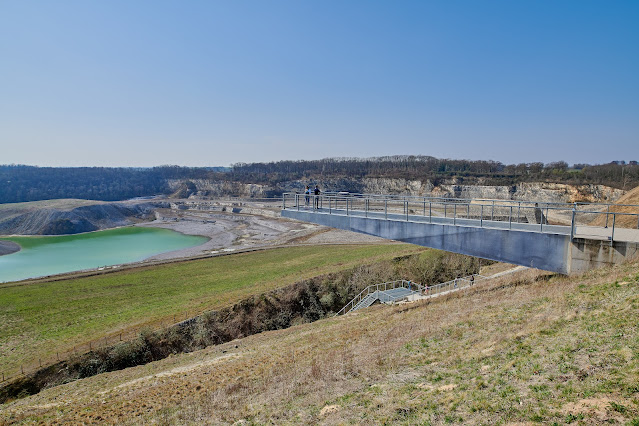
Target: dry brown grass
[{"x": 521, "y": 349}]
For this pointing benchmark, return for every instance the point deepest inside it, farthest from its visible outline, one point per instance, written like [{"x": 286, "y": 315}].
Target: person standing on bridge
[
  {"x": 316, "y": 191},
  {"x": 307, "y": 194}
]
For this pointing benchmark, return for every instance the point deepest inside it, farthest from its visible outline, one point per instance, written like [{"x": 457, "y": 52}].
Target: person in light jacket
[{"x": 307, "y": 194}]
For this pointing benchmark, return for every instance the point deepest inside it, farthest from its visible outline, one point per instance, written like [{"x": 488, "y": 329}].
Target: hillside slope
[
  {"x": 41, "y": 318},
  {"x": 631, "y": 201},
  {"x": 56, "y": 217},
  {"x": 533, "y": 348}
]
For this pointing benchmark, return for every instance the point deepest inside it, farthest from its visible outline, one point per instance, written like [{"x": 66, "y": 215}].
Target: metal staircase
[
  {"x": 366, "y": 301},
  {"x": 396, "y": 291},
  {"x": 389, "y": 292}
]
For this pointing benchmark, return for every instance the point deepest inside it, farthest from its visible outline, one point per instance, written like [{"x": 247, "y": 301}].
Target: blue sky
[{"x": 207, "y": 83}]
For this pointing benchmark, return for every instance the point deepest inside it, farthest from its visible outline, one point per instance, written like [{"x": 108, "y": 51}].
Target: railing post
[
  {"x": 406, "y": 206},
  {"x": 330, "y": 206},
  {"x": 468, "y": 210},
  {"x": 612, "y": 236},
  {"x": 445, "y": 208},
  {"x": 385, "y": 208},
  {"x": 518, "y": 210},
  {"x": 347, "y": 207},
  {"x": 297, "y": 201},
  {"x": 510, "y": 218},
  {"x": 492, "y": 214},
  {"x": 430, "y": 212},
  {"x": 424, "y": 207},
  {"x": 572, "y": 225},
  {"x": 454, "y": 213},
  {"x": 607, "y": 213},
  {"x": 366, "y": 207},
  {"x": 283, "y": 201},
  {"x": 481, "y": 218}
]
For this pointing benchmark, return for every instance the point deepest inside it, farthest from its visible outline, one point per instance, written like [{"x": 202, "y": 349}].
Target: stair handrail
[
  {"x": 466, "y": 281},
  {"x": 368, "y": 290},
  {"x": 456, "y": 283}
]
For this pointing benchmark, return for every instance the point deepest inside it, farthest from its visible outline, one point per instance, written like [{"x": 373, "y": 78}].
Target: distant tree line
[
  {"x": 616, "y": 174},
  {"x": 27, "y": 183},
  {"x": 20, "y": 183}
]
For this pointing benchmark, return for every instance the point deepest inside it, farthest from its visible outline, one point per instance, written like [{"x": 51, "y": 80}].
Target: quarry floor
[{"x": 230, "y": 232}]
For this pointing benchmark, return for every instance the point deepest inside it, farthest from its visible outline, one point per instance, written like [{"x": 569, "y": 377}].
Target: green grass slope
[
  {"x": 39, "y": 319},
  {"x": 520, "y": 350}
]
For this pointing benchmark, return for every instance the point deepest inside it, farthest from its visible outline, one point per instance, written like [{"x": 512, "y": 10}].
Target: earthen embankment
[{"x": 8, "y": 247}]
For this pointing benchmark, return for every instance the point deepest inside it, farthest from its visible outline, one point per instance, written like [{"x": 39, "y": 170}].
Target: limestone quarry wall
[{"x": 537, "y": 191}]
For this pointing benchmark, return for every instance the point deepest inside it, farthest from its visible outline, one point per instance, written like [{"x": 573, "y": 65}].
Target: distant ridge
[
  {"x": 58, "y": 217},
  {"x": 29, "y": 183}
]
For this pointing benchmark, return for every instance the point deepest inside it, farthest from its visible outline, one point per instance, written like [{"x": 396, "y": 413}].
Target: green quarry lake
[{"x": 41, "y": 256}]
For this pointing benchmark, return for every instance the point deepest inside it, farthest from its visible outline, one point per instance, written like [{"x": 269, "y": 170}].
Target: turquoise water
[{"x": 42, "y": 256}]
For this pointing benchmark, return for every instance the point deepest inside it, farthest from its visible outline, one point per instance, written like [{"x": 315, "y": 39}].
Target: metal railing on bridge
[{"x": 595, "y": 220}]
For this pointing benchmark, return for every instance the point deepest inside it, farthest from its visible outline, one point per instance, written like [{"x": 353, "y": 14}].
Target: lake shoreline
[
  {"x": 9, "y": 247},
  {"x": 227, "y": 233},
  {"x": 46, "y": 256}
]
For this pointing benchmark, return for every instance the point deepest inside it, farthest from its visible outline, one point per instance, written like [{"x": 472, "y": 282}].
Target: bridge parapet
[
  {"x": 535, "y": 234},
  {"x": 609, "y": 222}
]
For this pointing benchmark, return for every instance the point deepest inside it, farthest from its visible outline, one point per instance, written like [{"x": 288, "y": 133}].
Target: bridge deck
[
  {"x": 507, "y": 231},
  {"x": 581, "y": 231}
]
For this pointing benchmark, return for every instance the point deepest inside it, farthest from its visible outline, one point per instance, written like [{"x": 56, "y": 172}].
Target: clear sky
[{"x": 208, "y": 83}]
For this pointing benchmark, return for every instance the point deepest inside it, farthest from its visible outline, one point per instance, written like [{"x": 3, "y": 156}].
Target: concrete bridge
[{"x": 564, "y": 238}]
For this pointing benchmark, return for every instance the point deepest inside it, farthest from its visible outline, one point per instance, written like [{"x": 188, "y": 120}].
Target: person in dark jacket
[{"x": 316, "y": 191}]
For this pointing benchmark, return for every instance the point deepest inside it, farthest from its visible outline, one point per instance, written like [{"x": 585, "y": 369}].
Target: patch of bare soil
[{"x": 600, "y": 409}]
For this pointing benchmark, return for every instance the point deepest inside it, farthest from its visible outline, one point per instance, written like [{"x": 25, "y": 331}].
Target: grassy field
[
  {"x": 39, "y": 319},
  {"x": 528, "y": 349}
]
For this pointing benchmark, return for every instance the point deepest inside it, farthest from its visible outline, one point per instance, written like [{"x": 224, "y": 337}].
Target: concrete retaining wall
[{"x": 589, "y": 254}]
